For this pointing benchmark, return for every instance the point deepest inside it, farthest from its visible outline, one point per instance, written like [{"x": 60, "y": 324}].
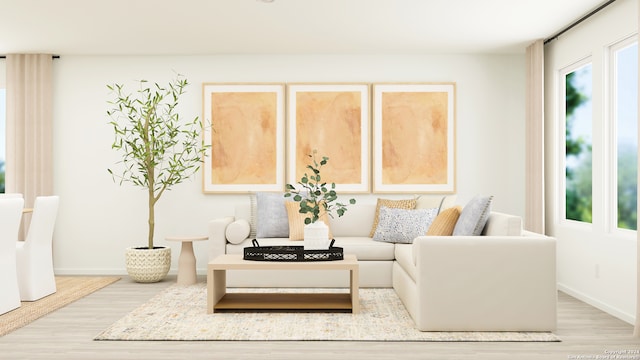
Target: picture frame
[
  {"x": 246, "y": 135},
  {"x": 333, "y": 119},
  {"x": 414, "y": 138}
]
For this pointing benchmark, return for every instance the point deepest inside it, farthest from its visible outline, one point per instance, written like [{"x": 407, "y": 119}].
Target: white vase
[{"x": 316, "y": 236}]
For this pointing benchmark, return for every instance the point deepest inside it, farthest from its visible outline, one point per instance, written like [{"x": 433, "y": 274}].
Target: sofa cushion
[
  {"x": 473, "y": 217},
  {"x": 356, "y": 222},
  {"x": 396, "y": 204},
  {"x": 296, "y": 221},
  {"x": 271, "y": 215},
  {"x": 445, "y": 222},
  {"x": 402, "y": 226},
  {"x": 448, "y": 201},
  {"x": 364, "y": 248},
  {"x": 237, "y": 231},
  {"x": 429, "y": 202},
  {"x": 404, "y": 257}
]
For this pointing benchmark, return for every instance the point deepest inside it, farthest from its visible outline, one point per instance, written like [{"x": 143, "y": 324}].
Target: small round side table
[{"x": 187, "y": 260}]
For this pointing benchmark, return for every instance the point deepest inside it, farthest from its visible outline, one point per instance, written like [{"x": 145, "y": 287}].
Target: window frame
[
  {"x": 611, "y": 123},
  {"x": 561, "y": 206}
]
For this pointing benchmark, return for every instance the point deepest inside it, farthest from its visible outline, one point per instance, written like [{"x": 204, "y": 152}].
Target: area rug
[
  {"x": 68, "y": 290},
  {"x": 179, "y": 313}
]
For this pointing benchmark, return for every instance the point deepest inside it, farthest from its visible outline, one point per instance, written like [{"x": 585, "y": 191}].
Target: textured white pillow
[
  {"x": 402, "y": 225},
  {"x": 237, "y": 231}
]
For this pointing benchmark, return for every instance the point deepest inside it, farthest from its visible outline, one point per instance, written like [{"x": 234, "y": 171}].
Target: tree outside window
[{"x": 578, "y": 158}]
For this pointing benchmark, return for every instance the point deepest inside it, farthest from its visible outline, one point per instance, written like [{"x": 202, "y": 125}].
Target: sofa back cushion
[
  {"x": 429, "y": 201},
  {"x": 357, "y": 221},
  {"x": 500, "y": 224}
]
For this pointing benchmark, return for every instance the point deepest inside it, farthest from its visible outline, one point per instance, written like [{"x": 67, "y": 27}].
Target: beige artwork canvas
[
  {"x": 330, "y": 122},
  {"x": 414, "y": 138},
  {"x": 246, "y": 137}
]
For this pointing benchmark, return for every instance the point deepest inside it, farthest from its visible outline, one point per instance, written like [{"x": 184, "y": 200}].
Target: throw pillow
[
  {"x": 473, "y": 217},
  {"x": 271, "y": 215},
  {"x": 296, "y": 221},
  {"x": 444, "y": 224},
  {"x": 402, "y": 226},
  {"x": 396, "y": 204},
  {"x": 253, "y": 215},
  {"x": 238, "y": 231}
]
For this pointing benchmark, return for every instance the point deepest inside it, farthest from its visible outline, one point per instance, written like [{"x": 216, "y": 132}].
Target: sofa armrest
[
  {"x": 469, "y": 279},
  {"x": 217, "y": 236}
]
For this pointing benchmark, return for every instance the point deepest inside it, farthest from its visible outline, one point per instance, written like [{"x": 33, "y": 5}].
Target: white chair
[
  {"x": 34, "y": 255},
  {"x": 10, "y": 215}
]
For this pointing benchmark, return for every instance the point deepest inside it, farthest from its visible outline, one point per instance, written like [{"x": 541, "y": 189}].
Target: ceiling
[{"x": 198, "y": 27}]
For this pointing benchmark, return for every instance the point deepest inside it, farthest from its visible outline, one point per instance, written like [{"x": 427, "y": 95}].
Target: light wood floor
[{"x": 67, "y": 334}]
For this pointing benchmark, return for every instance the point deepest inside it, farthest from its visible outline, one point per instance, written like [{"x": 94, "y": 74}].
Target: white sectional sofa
[{"x": 504, "y": 280}]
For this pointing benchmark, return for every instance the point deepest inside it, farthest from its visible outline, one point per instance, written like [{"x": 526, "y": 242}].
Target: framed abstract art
[
  {"x": 414, "y": 138},
  {"x": 245, "y": 132},
  {"x": 334, "y": 120}
]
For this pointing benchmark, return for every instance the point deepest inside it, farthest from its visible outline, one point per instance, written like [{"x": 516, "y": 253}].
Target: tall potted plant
[
  {"x": 316, "y": 198},
  {"x": 159, "y": 150}
]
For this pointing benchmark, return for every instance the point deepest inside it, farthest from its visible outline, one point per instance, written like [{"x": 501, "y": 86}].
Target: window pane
[
  {"x": 626, "y": 103},
  {"x": 578, "y": 129}
]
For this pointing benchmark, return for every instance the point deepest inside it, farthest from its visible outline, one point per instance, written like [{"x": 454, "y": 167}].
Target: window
[
  {"x": 578, "y": 131},
  {"x": 624, "y": 67}
]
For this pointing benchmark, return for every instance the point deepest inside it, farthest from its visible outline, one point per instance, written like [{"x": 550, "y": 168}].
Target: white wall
[
  {"x": 595, "y": 264},
  {"x": 99, "y": 219}
]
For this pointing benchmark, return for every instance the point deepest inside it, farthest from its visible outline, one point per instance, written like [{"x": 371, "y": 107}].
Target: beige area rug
[
  {"x": 179, "y": 313},
  {"x": 69, "y": 289}
]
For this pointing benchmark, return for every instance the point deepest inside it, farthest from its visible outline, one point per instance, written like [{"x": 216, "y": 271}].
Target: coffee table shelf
[
  {"x": 219, "y": 300},
  {"x": 285, "y": 301}
]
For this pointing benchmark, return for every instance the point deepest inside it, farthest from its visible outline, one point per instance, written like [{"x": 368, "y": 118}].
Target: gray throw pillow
[
  {"x": 473, "y": 217},
  {"x": 271, "y": 215},
  {"x": 402, "y": 225}
]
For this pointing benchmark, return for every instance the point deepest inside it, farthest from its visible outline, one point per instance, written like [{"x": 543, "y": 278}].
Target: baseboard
[
  {"x": 613, "y": 311},
  {"x": 99, "y": 272}
]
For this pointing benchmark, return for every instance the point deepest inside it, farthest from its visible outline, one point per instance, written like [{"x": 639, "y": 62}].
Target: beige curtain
[
  {"x": 534, "y": 139},
  {"x": 636, "y": 330},
  {"x": 29, "y": 165}
]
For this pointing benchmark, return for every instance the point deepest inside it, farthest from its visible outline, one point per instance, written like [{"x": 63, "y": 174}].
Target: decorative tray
[{"x": 291, "y": 253}]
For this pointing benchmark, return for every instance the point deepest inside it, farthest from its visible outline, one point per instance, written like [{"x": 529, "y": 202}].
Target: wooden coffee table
[{"x": 218, "y": 299}]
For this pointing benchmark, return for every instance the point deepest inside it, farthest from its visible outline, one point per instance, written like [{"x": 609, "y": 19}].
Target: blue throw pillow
[
  {"x": 473, "y": 217},
  {"x": 271, "y": 215}
]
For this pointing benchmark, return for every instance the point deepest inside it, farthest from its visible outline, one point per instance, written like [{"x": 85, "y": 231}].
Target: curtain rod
[
  {"x": 52, "y": 56},
  {"x": 593, "y": 12}
]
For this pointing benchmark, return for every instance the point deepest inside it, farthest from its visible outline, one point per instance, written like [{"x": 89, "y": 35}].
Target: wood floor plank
[{"x": 67, "y": 334}]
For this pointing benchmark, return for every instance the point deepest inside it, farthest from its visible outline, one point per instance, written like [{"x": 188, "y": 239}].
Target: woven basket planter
[{"x": 148, "y": 265}]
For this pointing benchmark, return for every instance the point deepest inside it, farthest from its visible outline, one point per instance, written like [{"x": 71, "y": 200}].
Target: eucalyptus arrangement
[
  {"x": 159, "y": 149},
  {"x": 315, "y": 196}
]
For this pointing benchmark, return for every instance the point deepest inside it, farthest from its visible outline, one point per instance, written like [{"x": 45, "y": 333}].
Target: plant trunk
[
  {"x": 152, "y": 217},
  {"x": 151, "y": 173}
]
